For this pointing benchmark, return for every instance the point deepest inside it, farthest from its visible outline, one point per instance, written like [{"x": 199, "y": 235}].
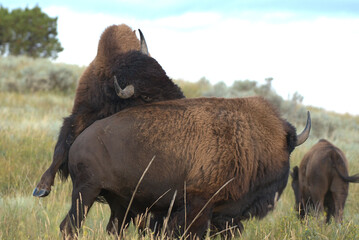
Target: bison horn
[
  {"x": 144, "y": 48},
  {"x": 303, "y": 136},
  {"x": 125, "y": 93}
]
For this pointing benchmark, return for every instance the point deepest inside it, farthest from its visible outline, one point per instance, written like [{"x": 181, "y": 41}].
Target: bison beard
[
  {"x": 200, "y": 143},
  {"x": 96, "y": 97},
  {"x": 322, "y": 181}
]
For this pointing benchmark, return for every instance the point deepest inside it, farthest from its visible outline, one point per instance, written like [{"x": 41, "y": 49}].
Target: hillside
[{"x": 30, "y": 119}]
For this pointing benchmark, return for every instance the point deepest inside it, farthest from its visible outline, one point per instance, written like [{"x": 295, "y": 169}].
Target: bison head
[
  {"x": 129, "y": 90},
  {"x": 139, "y": 78},
  {"x": 133, "y": 78}
]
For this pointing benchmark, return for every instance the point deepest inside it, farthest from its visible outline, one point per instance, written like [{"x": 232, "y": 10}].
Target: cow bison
[
  {"x": 321, "y": 181},
  {"x": 199, "y": 143},
  {"x": 119, "y": 77}
]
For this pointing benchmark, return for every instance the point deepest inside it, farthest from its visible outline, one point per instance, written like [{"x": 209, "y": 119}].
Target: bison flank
[{"x": 201, "y": 143}]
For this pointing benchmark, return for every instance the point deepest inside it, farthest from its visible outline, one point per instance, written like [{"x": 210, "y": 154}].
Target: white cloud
[{"x": 317, "y": 58}]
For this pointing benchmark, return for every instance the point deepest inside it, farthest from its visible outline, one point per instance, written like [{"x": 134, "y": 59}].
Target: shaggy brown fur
[
  {"x": 322, "y": 181},
  {"x": 201, "y": 142},
  {"x": 96, "y": 97}
]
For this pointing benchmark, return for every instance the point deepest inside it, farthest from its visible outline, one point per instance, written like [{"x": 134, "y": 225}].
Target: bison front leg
[
  {"x": 82, "y": 199},
  {"x": 60, "y": 157},
  {"x": 71, "y": 128}
]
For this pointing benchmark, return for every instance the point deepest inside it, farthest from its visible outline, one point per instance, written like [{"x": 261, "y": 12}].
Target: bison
[
  {"x": 121, "y": 75},
  {"x": 242, "y": 145},
  {"x": 321, "y": 181}
]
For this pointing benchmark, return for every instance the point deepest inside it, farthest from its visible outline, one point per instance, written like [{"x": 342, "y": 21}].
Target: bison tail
[
  {"x": 341, "y": 169},
  {"x": 352, "y": 179},
  {"x": 346, "y": 178}
]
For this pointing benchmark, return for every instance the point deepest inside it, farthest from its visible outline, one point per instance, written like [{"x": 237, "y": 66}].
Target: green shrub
[{"x": 25, "y": 74}]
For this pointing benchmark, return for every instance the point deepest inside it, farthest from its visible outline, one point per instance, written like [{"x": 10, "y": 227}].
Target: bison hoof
[{"x": 40, "y": 192}]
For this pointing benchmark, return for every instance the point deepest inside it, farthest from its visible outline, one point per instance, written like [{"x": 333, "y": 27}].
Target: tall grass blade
[{"x": 133, "y": 196}]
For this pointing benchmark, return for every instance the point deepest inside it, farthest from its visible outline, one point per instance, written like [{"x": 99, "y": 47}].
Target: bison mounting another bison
[
  {"x": 321, "y": 182},
  {"x": 121, "y": 75},
  {"x": 198, "y": 143},
  {"x": 122, "y": 118}
]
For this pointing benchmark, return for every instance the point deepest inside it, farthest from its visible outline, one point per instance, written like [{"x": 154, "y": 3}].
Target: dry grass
[{"x": 29, "y": 125}]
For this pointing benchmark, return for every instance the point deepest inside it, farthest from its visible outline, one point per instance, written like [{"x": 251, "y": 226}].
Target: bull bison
[
  {"x": 321, "y": 181},
  {"x": 119, "y": 77},
  {"x": 202, "y": 143}
]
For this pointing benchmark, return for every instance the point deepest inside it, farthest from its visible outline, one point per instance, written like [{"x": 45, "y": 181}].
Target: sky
[{"x": 308, "y": 46}]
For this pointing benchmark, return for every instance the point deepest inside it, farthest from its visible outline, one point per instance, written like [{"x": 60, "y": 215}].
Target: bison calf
[
  {"x": 321, "y": 181},
  {"x": 200, "y": 143}
]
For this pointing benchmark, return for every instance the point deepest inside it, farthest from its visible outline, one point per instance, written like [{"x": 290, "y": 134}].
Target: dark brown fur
[
  {"x": 321, "y": 181},
  {"x": 201, "y": 142},
  {"x": 96, "y": 97}
]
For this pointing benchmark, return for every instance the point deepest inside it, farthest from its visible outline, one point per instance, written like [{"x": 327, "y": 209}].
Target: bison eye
[{"x": 146, "y": 98}]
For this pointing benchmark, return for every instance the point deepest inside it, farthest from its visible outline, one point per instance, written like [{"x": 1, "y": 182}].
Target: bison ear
[
  {"x": 294, "y": 174},
  {"x": 144, "y": 48}
]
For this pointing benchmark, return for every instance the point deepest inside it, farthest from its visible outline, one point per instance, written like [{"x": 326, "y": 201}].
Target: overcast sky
[{"x": 308, "y": 46}]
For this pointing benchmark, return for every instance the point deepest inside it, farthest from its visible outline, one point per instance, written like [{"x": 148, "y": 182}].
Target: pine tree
[
  {"x": 28, "y": 32},
  {"x": 5, "y": 32}
]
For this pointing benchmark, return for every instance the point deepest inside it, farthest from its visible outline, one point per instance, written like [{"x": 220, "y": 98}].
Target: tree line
[{"x": 28, "y": 32}]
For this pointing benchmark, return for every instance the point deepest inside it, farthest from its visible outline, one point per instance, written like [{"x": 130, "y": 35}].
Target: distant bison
[
  {"x": 201, "y": 143},
  {"x": 322, "y": 181},
  {"x": 121, "y": 75}
]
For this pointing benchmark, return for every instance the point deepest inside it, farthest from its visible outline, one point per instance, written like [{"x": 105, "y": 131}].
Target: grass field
[{"x": 29, "y": 124}]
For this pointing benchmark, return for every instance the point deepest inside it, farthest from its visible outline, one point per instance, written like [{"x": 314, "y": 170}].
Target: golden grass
[{"x": 29, "y": 124}]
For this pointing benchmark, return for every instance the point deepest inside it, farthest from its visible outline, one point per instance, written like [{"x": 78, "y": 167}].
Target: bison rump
[{"x": 321, "y": 181}]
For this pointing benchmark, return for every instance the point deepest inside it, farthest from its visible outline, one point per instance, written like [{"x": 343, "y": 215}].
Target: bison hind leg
[
  {"x": 117, "y": 213},
  {"x": 329, "y": 206},
  {"x": 227, "y": 227},
  {"x": 192, "y": 221},
  {"x": 83, "y": 197},
  {"x": 339, "y": 190}
]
